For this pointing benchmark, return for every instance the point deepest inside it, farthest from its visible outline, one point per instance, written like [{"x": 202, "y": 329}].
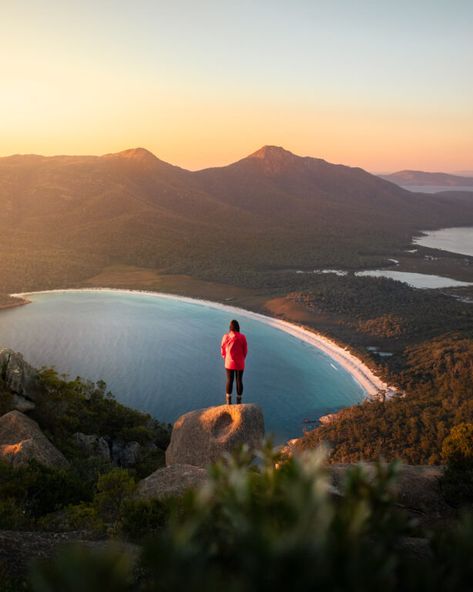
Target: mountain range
[
  {"x": 422, "y": 178},
  {"x": 63, "y": 218}
]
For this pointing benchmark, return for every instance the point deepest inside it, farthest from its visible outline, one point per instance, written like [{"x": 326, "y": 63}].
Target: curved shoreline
[
  {"x": 22, "y": 302},
  {"x": 359, "y": 371}
]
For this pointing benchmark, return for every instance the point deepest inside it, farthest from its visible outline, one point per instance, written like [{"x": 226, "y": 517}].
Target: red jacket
[{"x": 234, "y": 349}]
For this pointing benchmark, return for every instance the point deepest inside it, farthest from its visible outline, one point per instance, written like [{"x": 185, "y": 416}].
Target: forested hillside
[
  {"x": 64, "y": 218},
  {"x": 429, "y": 341}
]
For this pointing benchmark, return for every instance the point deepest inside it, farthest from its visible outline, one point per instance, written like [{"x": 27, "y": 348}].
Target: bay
[
  {"x": 162, "y": 355},
  {"x": 455, "y": 240}
]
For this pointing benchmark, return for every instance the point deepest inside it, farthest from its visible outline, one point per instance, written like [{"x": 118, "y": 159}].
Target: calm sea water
[
  {"x": 162, "y": 356},
  {"x": 436, "y": 188},
  {"x": 416, "y": 280},
  {"x": 455, "y": 240}
]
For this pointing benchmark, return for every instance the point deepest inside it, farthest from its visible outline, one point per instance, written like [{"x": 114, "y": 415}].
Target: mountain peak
[
  {"x": 275, "y": 159},
  {"x": 275, "y": 153},
  {"x": 137, "y": 154}
]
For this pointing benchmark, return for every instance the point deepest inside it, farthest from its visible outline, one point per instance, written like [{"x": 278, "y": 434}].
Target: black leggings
[{"x": 231, "y": 374}]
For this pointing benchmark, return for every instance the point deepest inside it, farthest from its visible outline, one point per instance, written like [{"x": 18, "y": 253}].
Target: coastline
[
  {"x": 359, "y": 371},
  {"x": 22, "y": 302}
]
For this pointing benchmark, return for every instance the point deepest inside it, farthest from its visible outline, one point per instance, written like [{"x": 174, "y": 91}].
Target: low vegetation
[
  {"x": 70, "y": 406},
  {"x": 89, "y": 494},
  {"x": 430, "y": 337},
  {"x": 272, "y": 526}
]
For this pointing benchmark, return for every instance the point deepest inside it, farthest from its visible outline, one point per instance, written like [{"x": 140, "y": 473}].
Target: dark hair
[{"x": 235, "y": 326}]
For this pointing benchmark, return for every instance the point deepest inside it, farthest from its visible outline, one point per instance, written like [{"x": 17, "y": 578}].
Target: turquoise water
[{"x": 162, "y": 356}]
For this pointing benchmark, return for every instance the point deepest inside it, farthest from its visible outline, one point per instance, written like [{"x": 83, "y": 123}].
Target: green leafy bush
[
  {"x": 139, "y": 519},
  {"x": 78, "y": 569},
  {"x": 270, "y": 526},
  {"x": 38, "y": 490},
  {"x": 113, "y": 489},
  {"x": 81, "y": 516},
  {"x": 278, "y": 526}
]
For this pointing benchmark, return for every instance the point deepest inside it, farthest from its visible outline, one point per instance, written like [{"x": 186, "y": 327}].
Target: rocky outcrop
[
  {"x": 171, "y": 481},
  {"x": 20, "y": 378},
  {"x": 200, "y": 437},
  {"x": 289, "y": 448},
  {"x": 118, "y": 452},
  {"x": 22, "y": 403},
  {"x": 125, "y": 454},
  {"x": 21, "y": 440},
  {"x": 93, "y": 445},
  {"x": 327, "y": 419}
]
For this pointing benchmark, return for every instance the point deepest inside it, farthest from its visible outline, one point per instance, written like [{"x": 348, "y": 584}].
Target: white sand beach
[{"x": 371, "y": 383}]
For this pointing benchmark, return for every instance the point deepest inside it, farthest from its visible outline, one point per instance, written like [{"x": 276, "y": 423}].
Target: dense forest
[
  {"x": 430, "y": 337},
  {"x": 62, "y": 219}
]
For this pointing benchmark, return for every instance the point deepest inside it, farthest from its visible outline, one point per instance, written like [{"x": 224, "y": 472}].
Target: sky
[{"x": 381, "y": 84}]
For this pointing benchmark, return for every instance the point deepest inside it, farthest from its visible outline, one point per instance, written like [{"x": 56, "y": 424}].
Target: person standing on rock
[{"x": 234, "y": 350}]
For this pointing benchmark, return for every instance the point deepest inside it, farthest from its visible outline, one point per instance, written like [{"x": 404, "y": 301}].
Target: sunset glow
[{"x": 381, "y": 85}]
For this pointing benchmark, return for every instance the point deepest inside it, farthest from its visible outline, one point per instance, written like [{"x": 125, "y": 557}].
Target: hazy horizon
[
  {"x": 379, "y": 173},
  {"x": 372, "y": 84}
]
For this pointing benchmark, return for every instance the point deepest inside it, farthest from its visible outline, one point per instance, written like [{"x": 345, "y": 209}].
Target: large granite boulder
[
  {"x": 171, "y": 481},
  {"x": 20, "y": 378},
  {"x": 22, "y": 440},
  {"x": 200, "y": 437}
]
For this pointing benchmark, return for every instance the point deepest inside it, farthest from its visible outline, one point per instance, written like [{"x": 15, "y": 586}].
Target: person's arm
[
  {"x": 223, "y": 346},
  {"x": 245, "y": 347}
]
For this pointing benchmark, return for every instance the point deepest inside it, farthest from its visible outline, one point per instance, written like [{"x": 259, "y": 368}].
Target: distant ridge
[
  {"x": 140, "y": 154},
  {"x": 421, "y": 178},
  {"x": 64, "y": 218}
]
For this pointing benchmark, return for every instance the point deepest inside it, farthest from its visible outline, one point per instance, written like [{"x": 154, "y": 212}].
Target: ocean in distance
[
  {"x": 454, "y": 240},
  {"x": 162, "y": 355}
]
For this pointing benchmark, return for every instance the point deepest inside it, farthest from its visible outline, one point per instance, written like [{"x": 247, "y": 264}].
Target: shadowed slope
[{"x": 63, "y": 218}]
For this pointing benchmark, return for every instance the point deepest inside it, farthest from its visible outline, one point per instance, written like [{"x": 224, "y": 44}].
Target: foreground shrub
[
  {"x": 78, "y": 569},
  {"x": 140, "y": 519},
  {"x": 37, "y": 490},
  {"x": 113, "y": 489},
  {"x": 275, "y": 526},
  {"x": 81, "y": 516},
  {"x": 270, "y": 528}
]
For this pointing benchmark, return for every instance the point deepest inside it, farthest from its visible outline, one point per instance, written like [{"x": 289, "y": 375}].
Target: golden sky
[{"x": 381, "y": 85}]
